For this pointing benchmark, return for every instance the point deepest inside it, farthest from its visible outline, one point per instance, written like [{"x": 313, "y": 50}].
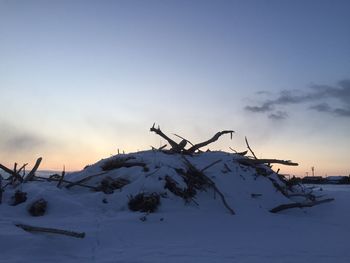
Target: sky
[{"x": 81, "y": 79}]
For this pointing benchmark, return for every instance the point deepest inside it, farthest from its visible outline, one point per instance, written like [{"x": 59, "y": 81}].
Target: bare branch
[
  {"x": 31, "y": 174},
  {"x": 51, "y": 230},
  {"x": 175, "y": 147},
  {"x": 266, "y": 161},
  {"x": 213, "y": 139},
  {"x": 299, "y": 205},
  {"x": 250, "y": 149}
]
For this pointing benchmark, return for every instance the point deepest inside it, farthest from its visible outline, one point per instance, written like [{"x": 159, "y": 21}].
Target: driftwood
[
  {"x": 250, "y": 149},
  {"x": 213, "y": 139},
  {"x": 62, "y": 177},
  {"x": 209, "y": 183},
  {"x": 50, "y": 230},
  {"x": 173, "y": 144},
  {"x": 31, "y": 174},
  {"x": 12, "y": 173},
  {"x": 180, "y": 147},
  {"x": 299, "y": 205},
  {"x": 65, "y": 181},
  {"x": 84, "y": 180},
  {"x": 265, "y": 161}
]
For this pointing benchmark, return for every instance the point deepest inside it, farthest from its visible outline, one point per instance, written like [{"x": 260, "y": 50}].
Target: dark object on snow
[
  {"x": 51, "y": 230},
  {"x": 187, "y": 194},
  {"x": 299, "y": 205},
  {"x": 144, "y": 202},
  {"x": 108, "y": 184},
  {"x": 18, "y": 198},
  {"x": 38, "y": 208},
  {"x": 118, "y": 162}
]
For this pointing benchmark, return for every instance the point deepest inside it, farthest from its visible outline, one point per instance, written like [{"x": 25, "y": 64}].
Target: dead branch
[
  {"x": 31, "y": 174},
  {"x": 213, "y": 139},
  {"x": 250, "y": 149},
  {"x": 266, "y": 161},
  {"x": 62, "y": 177},
  {"x": 210, "y": 183},
  {"x": 299, "y": 205},
  {"x": 84, "y": 180},
  {"x": 210, "y": 165},
  {"x": 51, "y": 230},
  {"x": 12, "y": 173},
  {"x": 22, "y": 167},
  {"x": 64, "y": 181},
  {"x": 174, "y": 146},
  {"x": 183, "y": 139}
]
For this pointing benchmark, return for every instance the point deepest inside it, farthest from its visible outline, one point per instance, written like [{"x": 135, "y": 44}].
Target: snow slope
[{"x": 177, "y": 232}]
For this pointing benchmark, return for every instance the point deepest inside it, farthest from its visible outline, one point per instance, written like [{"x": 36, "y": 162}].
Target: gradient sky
[{"x": 81, "y": 79}]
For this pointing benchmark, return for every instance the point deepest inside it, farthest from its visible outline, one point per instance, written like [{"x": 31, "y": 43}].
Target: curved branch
[{"x": 213, "y": 139}]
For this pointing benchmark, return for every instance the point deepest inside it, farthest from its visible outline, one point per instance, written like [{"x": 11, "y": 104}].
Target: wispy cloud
[{"x": 320, "y": 94}]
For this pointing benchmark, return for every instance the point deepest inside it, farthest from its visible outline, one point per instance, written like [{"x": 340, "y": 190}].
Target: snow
[{"x": 177, "y": 232}]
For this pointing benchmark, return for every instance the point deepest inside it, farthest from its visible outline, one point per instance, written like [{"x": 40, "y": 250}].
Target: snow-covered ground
[{"x": 178, "y": 232}]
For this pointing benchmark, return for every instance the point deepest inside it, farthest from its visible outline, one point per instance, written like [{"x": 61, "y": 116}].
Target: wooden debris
[
  {"x": 12, "y": 173},
  {"x": 250, "y": 149},
  {"x": 180, "y": 147},
  {"x": 31, "y": 174},
  {"x": 38, "y": 208},
  {"x": 251, "y": 162},
  {"x": 300, "y": 205},
  {"x": 208, "y": 182},
  {"x": 187, "y": 194},
  {"x": 79, "y": 182},
  {"x": 62, "y": 177},
  {"x": 213, "y": 139},
  {"x": 51, "y": 230}
]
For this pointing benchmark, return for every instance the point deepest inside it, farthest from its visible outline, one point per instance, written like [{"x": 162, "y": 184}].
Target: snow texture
[{"x": 202, "y": 230}]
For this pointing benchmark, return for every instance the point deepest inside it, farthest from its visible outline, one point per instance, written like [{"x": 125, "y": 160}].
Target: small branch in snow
[
  {"x": 299, "y": 205},
  {"x": 51, "y": 230}
]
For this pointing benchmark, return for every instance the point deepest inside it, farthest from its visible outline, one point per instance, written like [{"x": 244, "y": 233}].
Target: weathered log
[
  {"x": 31, "y": 174},
  {"x": 213, "y": 139},
  {"x": 51, "y": 230},
  {"x": 299, "y": 205},
  {"x": 265, "y": 161}
]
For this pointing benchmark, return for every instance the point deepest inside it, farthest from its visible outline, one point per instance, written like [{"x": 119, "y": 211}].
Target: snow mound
[{"x": 244, "y": 188}]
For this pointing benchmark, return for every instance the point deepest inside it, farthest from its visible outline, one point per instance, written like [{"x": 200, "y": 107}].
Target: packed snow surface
[{"x": 199, "y": 230}]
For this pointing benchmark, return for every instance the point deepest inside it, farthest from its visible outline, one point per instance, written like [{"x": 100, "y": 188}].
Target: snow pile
[{"x": 188, "y": 225}]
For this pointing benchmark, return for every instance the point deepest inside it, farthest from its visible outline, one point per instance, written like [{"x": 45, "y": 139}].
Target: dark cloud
[
  {"x": 23, "y": 142},
  {"x": 339, "y": 94},
  {"x": 13, "y": 140},
  {"x": 278, "y": 115}
]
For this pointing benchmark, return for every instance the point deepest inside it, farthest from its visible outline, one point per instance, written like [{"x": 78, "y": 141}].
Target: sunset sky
[{"x": 81, "y": 79}]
